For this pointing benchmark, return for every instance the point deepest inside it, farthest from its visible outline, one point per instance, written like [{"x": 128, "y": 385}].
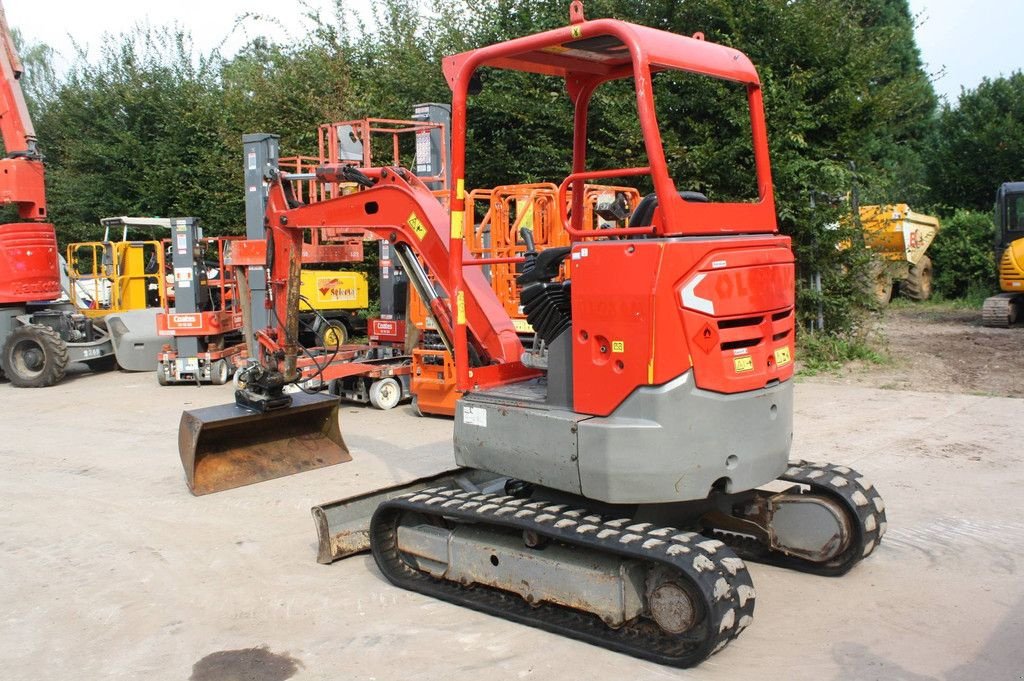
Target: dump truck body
[{"x": 900, "y": 238}]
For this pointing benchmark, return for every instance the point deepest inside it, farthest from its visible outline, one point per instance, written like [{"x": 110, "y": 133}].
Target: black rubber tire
[
  {"x": 917, "y": 285},
  {"x": 385, "y": 393},
  {"x": 220, "y": 372},
  {"x": 881, "y": 284},
  {"x": 333, "y": 334},
  {"x": 34, "y": 356},
  {"x": 416, "y": 407},
  {"x": 161, "y": 374}
]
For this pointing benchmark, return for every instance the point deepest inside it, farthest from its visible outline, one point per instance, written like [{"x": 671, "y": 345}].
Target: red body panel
[
  {"x": 646, "y": 311},
  {"x": 22, "y": 182},
  {"x": 29, "y": 269},
  {"x": 386, "y": 330},
  {"x": 198, "y": 323},
  {"x": 433, "y": 381}
]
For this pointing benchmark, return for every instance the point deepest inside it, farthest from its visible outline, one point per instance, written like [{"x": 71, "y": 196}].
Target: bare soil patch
[{"x": 932, "y": 348}]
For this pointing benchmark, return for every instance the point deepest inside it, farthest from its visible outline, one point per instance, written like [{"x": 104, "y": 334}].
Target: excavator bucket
[{"x": 228, "y": 446}]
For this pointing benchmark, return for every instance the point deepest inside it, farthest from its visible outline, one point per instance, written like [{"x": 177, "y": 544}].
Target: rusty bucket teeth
[{"x": 228, "y": 446}]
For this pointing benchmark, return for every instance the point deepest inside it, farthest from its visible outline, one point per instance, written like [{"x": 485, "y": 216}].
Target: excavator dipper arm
[{"x": 401, "y": 209}]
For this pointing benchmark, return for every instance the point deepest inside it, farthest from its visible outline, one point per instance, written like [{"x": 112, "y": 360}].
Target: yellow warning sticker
[
  {"x": 743, "y": 364},
  {"x": 576, "y": 31},
  {"x": 783, "y": 356},
  {"x": 458, "y": 223},
  {"x": 618, "y": 347},
  {"x": 460, "y": 189},
  {"x": 460, "y": 308},
  {"x": 522, "y": 326},
  {"x": 417, "y": 226}
]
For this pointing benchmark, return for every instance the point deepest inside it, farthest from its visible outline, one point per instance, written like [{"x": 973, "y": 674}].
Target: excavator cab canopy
[
  {"x": 1009, "y": 214},
  {"x": 587, "y": 54}
]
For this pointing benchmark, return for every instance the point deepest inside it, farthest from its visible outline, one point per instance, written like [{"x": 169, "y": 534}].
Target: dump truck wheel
[
  {"x": 386, "y": 393},
  {"x": 219, "y": 372},
  {"x": 882, "y": 285},
  {"x": 332, "y": 335},
  {"x": 918, "y": 283},
  {"x": 35, "y": 356}
]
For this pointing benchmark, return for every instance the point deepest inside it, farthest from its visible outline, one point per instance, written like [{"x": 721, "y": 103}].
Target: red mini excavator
[{"x": 611, "y": 475}]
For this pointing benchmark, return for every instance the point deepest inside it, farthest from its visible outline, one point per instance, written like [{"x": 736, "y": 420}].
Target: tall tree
[
  {"x": 979, "y": 144},
  {"x": 137, "y": 133}
]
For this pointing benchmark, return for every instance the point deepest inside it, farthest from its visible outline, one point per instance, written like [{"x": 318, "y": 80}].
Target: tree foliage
[
  {"x": 138, "y": 132},
  {"x": 963, "y": 256},
  {"x": 979, "y": 144},
  {"x": 151, "y": 128}
]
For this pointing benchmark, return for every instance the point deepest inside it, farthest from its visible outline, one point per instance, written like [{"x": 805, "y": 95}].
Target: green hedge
[{"x": 963, "y": 256}]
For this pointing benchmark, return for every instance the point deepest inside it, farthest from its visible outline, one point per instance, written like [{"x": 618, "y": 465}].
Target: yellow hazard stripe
[
  {"x": 458, "y": 223},
  {"x": 460, "y": 306}
]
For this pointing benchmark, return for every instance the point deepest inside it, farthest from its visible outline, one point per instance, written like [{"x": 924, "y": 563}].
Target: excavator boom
[{"x": 268, "y": 434}]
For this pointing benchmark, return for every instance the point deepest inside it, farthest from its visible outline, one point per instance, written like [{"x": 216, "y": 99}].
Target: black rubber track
[
  {"x": 842, "y": 484},
  {"x": 716, "y": 573}
]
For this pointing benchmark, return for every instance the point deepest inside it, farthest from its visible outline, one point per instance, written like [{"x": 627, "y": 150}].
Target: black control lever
[
  {"x": 540, "y": 267},
  {"x": 531, "y": 250}
]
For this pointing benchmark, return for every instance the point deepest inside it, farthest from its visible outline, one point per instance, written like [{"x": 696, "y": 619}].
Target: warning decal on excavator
[
  {"x": 417, "y": 226},
  {"x": 475, "y": 416},
  {"x": 460, "y": 308},
  {"x": 783, "y": 356},
  {"x": 618, "y": 347},
  {"x": 707, "y": 338},
  {"x": 743, "y": 364},
  {"x": 458, "y": 223},
  {"x": 522, "y": 326}
]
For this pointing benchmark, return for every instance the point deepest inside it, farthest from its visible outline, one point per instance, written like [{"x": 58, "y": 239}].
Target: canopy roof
[{"x": 604, "y": 48}]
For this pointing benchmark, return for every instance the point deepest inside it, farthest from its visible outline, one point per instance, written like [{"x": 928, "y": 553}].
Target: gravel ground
[
  {"x": 111, "y": 570},
  {"x": 931, "y": 348}
]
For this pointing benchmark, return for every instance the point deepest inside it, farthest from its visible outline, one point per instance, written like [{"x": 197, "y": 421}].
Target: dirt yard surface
[
  {"x": 110, "y": 570},
  {"x": 931, "y": 348}
]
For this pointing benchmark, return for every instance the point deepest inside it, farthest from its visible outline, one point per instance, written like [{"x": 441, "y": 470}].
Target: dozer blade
[
  {"x": 227, "y": 446},
  {"x": 343, "y": 526}
]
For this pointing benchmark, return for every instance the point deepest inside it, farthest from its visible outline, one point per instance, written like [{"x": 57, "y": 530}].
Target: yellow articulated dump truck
[
  {"x": 900, "y": 237},
  {"x": 330, "y": 303}
]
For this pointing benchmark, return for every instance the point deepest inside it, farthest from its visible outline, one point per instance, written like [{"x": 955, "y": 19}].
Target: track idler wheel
[{"x": 827, "y": 523}]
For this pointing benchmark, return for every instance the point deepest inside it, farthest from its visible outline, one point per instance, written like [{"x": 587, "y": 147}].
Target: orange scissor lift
[{"x": 504, "y": 211}]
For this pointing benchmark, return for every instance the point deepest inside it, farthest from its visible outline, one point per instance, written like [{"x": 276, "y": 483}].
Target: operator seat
[{"x": 644, "y": 212}]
